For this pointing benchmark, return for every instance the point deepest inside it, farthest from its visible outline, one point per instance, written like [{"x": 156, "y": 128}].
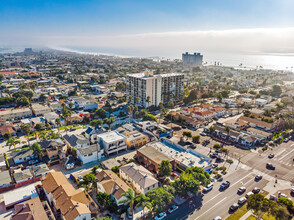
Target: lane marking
[
  {"x": 278, "y": 154},
  {"x": 286, "y": 154},
  {"x": 210, "y": 208}
]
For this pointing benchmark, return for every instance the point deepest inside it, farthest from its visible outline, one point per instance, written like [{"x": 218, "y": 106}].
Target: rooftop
[
  {"x": 19, "y": 194},
  {"x": 153, "y": 154},
  {"x": 111, "y": 136}
]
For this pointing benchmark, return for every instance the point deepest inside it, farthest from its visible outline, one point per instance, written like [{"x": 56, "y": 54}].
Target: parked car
[
  {"x": 208, "y": 187},
  {"x": 203, "y": 134},
  {"x": 241, "y": 189},
  {"x": 283, "y": 195},
  {"x": 249, "y": 194},
  {"x": 160, "y": 216},
  {"x": 217, "y": 218},
  {"x": 256, "y": 190},
  {"x": 271, "y": 156},
  {"x": 225, "y": 185},
  {"x": 272, "y": 197},
  {"x": 183, "y": 126},
  {"x": 242, "y": 201},
  {"x": 174, "y": 174},
  {"x": 292, "y": 189},
  {"x": 173, "y": 208},
  {"x": 234, "y": 207},
  {"x": 214, "y": 165},
  {"x": 258, "y": 177},
  {"x": 80, "y": 178},
  {"x": 270, "y": 166}
]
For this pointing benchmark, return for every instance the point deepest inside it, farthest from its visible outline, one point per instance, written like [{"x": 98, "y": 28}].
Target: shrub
[
  {"x": 224, "y": 150},
  {"x": 216, "y": 146},
  {"x": 230, "y": 161}
]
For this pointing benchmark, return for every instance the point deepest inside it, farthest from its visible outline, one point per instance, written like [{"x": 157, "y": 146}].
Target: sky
[{"x": 152, "y": 27}]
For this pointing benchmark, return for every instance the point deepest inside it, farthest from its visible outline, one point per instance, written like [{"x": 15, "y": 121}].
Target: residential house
[
  {"x": 22, "y": 175},
  {"x": 91, "y": 106},
  {"x": 68, "y": 162},
  {"x": 134, "y": 138},
  {"x": 76, "y": 140},
  {"x": 90, "y": 154},
  {"x": 203, "y": 115},
  {"x": 17, "y": 113},
  {"x": 108, "y": 182},
  {"x": 55, "y": 106},
  {"x": 67, "y": 202},
  {"x": 23, "y": 156},
  {"x": 5, "y": 179},
  {"x": 79, "y": 102},
  {"x": 112, "y": 142},
  {"x": 218, "y": 111},
  {"x": 75, "y": 118},
  {"x": 39, "y": 109},
  {"x": 32, "y": 209},
  {"x": 40, "y": 170},
  {"x": 55, "y": 150},
  {"x": 258, "y": 123},
  {"x": 91, "y": 133},
  {"x": 51, "y": 118},
  {"x": 261, "y": 102},
  {"x": 111, "y": 162},
  {"x": 7, "y": 129},
  {"x": 142, "y": 179}
]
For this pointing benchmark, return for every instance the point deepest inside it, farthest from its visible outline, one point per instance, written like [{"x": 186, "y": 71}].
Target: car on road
[
  {"x": 225, "y": 185},
  {"x": 241, "y": 189},
  {"x": 271, "y": 156},
  {"x": 256, "y": 190},
  {"x": 173, "y": 208},
  {"x": 160, "y": 216},
  {"x": 183, "y": 126},
  {"x": 258, "y": 177},
  {"x": 217, "y": 218},
  {"x": 270, "y": 166},
  {"x": 248, "y": 194},
  {"x": 292, "y": 189},
  {"x": 242, "y": 201},
  {"x": 208, "y": 187},
  {"x": 234, "y": 207},
  {"x": 203, "y": 134}
]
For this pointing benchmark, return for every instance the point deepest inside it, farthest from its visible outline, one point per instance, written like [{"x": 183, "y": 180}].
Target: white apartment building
[
  {"x": 112, "y": 142},
  {"x": 17, "y": 113},
  {"x": 159, "y": 88}
]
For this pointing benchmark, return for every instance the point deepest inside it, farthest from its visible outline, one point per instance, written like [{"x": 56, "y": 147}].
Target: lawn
[
  {"x": 268, "y": 217},
  {"x": 251, "y": 217},
  {"x": 239, "y": 213}
]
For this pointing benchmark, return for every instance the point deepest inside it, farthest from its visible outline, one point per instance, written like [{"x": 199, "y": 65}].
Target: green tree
[
  {"x": 94, "y": 169},
  {"x": 276, "y": 90},
  {"x": 187, "y": 133},
  {"x": 186, "y": 183},
  {"x": 26, "y": 129},
  {"x": 96, "y": 122},
  {"x": 109, "y": 121},
  {"x": 196, "y": 139},
  {"x": 285, "y": 201},
  {"x": 22, "y": 101},
  {"x": 165, "y": 168},
  {"x": 115, "y": 169},
  {"x": 101, "y": 113},
  {"x": 39, "y": 127},
  {"x": 89, "y": 178},
  {"x": 247, "y": 113},
  {"x": 160, "y": 197},
  {"x": 148, "y": 101},
  {"x": 12, "y": 142},
  {"x": 37, "y": 150},
  {"x": 142, "y": 200},
  {"x": 7, "y": 135},
  {"x": 149, "y": 117},
  {"x": 129, "y": 197}
]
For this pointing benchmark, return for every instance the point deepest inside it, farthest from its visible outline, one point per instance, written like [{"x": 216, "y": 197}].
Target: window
[{"x": 90, "y": 154}]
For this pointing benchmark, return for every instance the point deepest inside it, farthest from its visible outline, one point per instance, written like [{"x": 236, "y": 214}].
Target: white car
[
  {"x": 217, "y": 218},
  {"x": 208, "y": 187},
  {"x": 173, "y": 208},
  {"x": 249, "y": 194},
  {"x": 160, "y": 216},
  {"x": 242, "y": 200},
  {"x": 292, "y": 189}
]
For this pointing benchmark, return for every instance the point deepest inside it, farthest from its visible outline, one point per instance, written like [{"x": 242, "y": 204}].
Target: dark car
[
  {"x": 241, "y": 189},
  {"x": 258, "y": 177},
  {"x": 183, "y": 126},
  {"x": 271, "y": 156},
  {"x": 270, "y": 166},
  {"x": 225, "y": 185},
  {"x": 256, "y": 190},
  {"x": 213, "y": 155},
  {"x": 234, "y": 207}
]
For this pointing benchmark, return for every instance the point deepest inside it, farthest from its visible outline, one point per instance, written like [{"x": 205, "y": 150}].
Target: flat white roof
[
  {"x": 20, "y": 194},
  {"x": 111, "y": 136}
]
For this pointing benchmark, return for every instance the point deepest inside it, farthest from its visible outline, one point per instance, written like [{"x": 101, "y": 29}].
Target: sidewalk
[{"x": 247, "y": 214}]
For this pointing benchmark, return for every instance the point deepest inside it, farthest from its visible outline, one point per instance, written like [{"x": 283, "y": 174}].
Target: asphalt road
[{"x": 217, "y": 202}]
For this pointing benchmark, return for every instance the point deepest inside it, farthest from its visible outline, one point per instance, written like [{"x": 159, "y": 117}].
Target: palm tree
[
  {"x": 37, "y": 150},
  {"x": 12, "y": 142},
  {"x": 227, "y": 129},
  {"x": 130, "y": 98},
  {"x": 26, "y": 129},
  {"x": 163, "y": 111},
  {"x": 58, "y": 123},
  {"x": 129, "y": 197},
  {"x": 148, "y": 100},
  {"x": 143, "y": 201},
  {"x": 137, "y": 100},
  {"x": 130, "y": 109}
]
